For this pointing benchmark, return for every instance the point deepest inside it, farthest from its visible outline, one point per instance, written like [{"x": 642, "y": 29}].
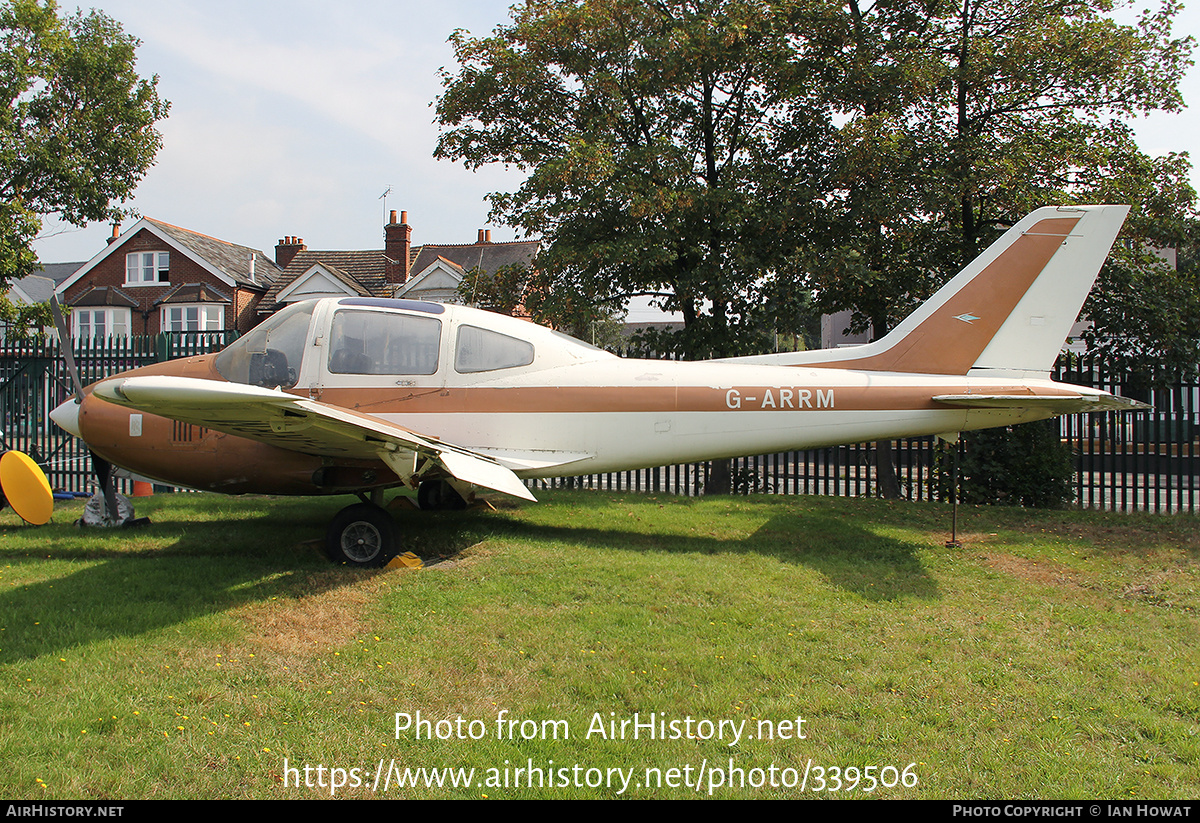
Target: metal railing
[{"x": 1147, "y": 460}]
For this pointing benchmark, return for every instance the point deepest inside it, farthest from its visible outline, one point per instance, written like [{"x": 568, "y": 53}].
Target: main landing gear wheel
[
  {"x": 438, "y": 494},
  {"x": 361, "y": 535}
]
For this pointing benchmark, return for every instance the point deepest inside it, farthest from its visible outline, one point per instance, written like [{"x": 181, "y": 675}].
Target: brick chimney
[
  {"x": 287, "y": 249},
  {"x": 116, "y": 233},
  {"x": 484, "y": 236},
  {"x": 397, "y": 240}
]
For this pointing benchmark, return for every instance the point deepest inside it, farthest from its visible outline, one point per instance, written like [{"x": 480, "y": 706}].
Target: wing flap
[
  {"x": 481, "y": 471},
  {"x": 309, "y": 426}
]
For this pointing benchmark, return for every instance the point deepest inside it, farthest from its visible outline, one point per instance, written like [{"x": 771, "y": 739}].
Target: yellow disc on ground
[{"x": 26, "y": 487}]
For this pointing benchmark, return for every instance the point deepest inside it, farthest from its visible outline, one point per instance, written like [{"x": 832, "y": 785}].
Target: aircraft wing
[
  {"x": 1058, "y": 404},
  {"x": 309, "y": 426}
]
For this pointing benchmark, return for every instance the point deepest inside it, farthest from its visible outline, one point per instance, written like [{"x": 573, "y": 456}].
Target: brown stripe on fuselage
[
  {"x": 668, "y": 399},
  {"x": 652, "y": 399},
  {"x": 942, "y": 344}
]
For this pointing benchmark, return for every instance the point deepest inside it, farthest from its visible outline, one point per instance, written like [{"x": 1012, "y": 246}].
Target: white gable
[
  {"x": 117, "y": 246},
  {"x": 318, "y": 281},
  {"x": 438, "y": 282},
  {"x": 17, "y": 295}
]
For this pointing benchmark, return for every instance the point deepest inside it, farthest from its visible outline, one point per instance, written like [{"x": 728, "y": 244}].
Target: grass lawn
[{"x": 602, "y": 645}]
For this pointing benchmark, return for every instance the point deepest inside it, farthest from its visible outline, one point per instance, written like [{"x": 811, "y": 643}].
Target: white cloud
[{"x": 293, "y": 117}]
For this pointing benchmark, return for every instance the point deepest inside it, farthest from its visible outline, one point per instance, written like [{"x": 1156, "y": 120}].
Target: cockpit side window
[
  {"x": 374, "y": 342},
  {"x": 269, "y": 355},
  {"x": 484, "y": 350}
]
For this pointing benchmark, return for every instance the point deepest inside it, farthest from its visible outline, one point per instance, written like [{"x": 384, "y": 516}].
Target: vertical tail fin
[{"x": 1007, "y": 313}]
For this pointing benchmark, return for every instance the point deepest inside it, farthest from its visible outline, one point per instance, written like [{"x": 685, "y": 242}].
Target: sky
[{"x": 293, "y": 118}]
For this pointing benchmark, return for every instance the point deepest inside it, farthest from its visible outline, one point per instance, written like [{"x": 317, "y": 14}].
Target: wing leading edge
[{"x": 309, "y": 426}]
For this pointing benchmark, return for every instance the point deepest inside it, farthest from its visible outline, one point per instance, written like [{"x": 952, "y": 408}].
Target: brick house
[
  {"x": 400, "y": 269},
  {"x": 157, "y": 277}
]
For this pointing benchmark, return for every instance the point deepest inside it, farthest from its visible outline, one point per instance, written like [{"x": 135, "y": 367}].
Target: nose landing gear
[{"x": 438, "y": 494}]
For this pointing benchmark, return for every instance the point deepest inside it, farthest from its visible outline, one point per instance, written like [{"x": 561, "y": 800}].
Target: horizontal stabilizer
[{"x": 1061, "y": 404}]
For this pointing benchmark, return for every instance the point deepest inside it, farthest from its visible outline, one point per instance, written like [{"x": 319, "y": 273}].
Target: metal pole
[{"x": 952, "y": 445}]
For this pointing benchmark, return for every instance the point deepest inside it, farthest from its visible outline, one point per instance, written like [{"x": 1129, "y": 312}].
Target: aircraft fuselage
[{"x": 571, "y": 409}]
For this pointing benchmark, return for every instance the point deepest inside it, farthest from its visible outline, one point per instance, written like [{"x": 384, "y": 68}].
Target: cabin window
[
  {"x": 375, "y": 342},
  {"x": 269, "y": 355},
  {"x": 485, "y": 350},
  {"x": 147, "y": 267}
]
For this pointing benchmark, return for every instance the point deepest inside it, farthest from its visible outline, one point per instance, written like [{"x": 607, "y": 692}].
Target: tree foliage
[
  {"x": 661, "y": 140},
  {"x": 517, "y": 290},
  {"x": 77, "y": 129},
  {"x": 963, "y": 117},
  {"x": 502, "y": 291},
  {"x": 1024, "y": 465},
  {"x": 1145, "y": 309}
]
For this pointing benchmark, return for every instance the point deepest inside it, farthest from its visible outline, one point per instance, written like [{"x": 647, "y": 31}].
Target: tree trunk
[
  {"x": 719, "y": 479},
  {"x": 887, "y": 484}
]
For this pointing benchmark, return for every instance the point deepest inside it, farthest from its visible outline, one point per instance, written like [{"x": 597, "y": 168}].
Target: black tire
[
  {"x": 361, "y": 535},
  {"x": 438, "y": 494}
]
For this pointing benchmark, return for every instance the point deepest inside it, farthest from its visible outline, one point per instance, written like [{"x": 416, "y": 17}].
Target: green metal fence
[
  {"x": 34, "y": 380},
  {"x": 1148, "y": 460}
]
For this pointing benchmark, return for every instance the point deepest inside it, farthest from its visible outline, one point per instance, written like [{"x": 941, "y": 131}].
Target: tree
[
  {"x": 503, "y": 291},
  {"x": 667, "y": 145},
  {"x": 77, "y": 127},
  {"x": 519, "y": 291},
  {"x": 963, "y": 117},
  {"x": 871, "y": 255},
  {"x": 654, "y": 137},
  {"x": 1145, "y": 308}
]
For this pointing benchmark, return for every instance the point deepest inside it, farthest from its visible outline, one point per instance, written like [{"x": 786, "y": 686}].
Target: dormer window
[{"x": 144, "y": 268}]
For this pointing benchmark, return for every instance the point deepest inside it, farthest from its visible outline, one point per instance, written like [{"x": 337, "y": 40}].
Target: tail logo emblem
[{"x": 966, "y": 317}]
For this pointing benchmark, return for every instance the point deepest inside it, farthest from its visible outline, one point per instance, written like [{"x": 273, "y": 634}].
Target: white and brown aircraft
[{"x": 358, "y": 395}]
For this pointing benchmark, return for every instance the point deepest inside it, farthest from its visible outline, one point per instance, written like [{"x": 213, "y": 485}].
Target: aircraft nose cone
[{"x": 67, "y": 416}]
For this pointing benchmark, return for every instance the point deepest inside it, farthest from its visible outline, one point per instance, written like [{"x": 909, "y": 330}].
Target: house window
[
  {"x": 146, "y": 267},
  {"x": 100, "y": 324},
  {"x": 193, "y": 318}
]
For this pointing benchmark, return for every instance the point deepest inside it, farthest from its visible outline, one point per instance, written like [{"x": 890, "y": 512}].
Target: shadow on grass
[
  {"x": 142, "y": 580},
  {"x": 1108, "y": 533},
  {"x": 850, "y": 557},
  {"x": 206, "y": 555}
]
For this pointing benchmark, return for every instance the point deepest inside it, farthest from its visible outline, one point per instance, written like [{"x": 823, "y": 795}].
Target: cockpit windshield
[{"x": 269, "y": 355}]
